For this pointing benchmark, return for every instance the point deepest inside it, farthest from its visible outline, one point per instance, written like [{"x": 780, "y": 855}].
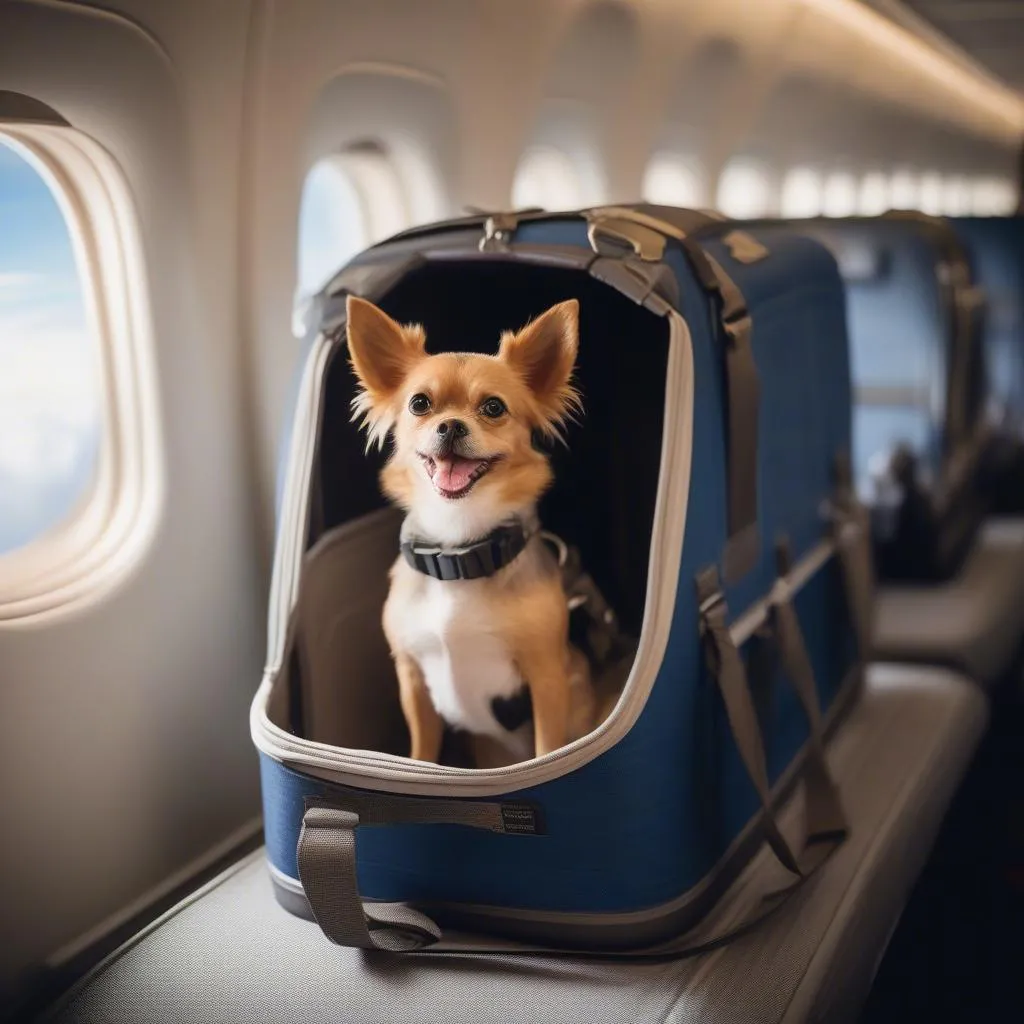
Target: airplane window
[
  {"x": 956, "y": 197},
  {"x": 349, "y": 201},
  {"x": 903, "y": 191},
  {"x": 839, "y": 196},
  {"x": 874, "y": 194},
  {"x": 674, "y": 180},
  {"x": 1007, "y": 193},
  {"x": 992, "y": 197},
  {"x": 931, "y": 197},
  {"x": 548, "y": 178},
  {"x": 744, "y": 190},
  {"x": 50, "y": 422},
  {"x": 801, "y": 193},
  {"x": 332, "y": 224}
]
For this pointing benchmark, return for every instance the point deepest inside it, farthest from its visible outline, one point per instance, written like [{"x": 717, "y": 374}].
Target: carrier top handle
[{"x": 638, "y": 233}]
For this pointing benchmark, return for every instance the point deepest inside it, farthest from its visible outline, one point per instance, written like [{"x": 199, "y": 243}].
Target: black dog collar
[{"x": 472, "y": 561}]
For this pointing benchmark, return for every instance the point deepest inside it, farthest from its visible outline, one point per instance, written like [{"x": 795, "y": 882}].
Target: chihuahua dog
[{"x": 476, "y": 617}]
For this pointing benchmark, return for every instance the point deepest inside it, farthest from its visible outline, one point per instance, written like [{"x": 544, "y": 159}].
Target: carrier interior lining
[{"x": 338, "y": 686}]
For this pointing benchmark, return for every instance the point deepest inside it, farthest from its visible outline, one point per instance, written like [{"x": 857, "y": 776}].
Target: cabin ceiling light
[{"x": 975, "y": 87}]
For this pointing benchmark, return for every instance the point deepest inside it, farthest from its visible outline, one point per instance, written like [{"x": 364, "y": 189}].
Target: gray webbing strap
[
  {"x": 327, "y": 866},
  {"x": 742, "y": 398},
  {"x": 327, "y": 869},
  {"x": 851, "y": 524},
  {"x": 742, "y": 394},
  {"x": 824, "y": 821},
  {"x": 726, "y": 667}
]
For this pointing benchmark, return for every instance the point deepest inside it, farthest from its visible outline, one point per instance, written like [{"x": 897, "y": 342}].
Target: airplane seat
[
  {"x": 231, "y": 953},
  {"x": 974, "y": 623}
]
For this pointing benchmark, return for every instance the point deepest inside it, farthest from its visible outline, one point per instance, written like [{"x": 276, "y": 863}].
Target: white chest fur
[{"x": 456, "y": 641}]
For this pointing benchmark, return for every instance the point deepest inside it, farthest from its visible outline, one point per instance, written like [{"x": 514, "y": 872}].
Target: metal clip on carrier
[{"x": 498, "y": 231}]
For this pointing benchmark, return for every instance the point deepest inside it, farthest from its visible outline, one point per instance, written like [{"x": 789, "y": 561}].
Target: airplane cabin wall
[
  {"x": 601, "y": 79},
  {"x": 124, "y": 747}
]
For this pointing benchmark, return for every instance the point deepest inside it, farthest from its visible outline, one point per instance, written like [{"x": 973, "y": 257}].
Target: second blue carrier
[
  {"x": 921, "y": 439},
  {"x": 708, "y": 491}
]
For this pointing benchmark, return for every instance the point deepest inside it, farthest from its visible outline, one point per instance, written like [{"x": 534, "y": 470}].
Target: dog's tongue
[{"x": 454, "y": 472}]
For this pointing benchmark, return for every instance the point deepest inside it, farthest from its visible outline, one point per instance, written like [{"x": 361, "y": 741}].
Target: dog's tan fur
[{"x": 522, "y": 608}]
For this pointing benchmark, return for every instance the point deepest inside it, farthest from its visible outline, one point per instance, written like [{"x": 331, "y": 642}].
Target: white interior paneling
[{"x": 124, "y": 750}]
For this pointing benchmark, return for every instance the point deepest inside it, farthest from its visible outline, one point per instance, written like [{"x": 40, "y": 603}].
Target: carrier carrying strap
[
  {"x": 327, "y": 862},
  {"x": 327, "y": 870},
  {"x": 824, "y": 821},
  {"x": 742, "y": 401}
]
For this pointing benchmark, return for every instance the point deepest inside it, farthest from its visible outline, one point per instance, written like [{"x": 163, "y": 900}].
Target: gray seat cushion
[
  {"x": 231, "y": 954},
  {"x": 974, "y": 623}
]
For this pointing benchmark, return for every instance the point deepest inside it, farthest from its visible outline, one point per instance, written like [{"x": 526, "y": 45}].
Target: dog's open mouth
[{"x": 453, "y": 476}]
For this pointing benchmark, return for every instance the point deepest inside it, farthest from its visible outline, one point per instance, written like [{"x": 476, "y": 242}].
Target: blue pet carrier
[
  {"x": 920, "y": 440},
  {"x": 708, "y": 492}
]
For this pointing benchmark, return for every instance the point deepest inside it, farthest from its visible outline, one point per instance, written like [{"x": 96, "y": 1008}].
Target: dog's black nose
[{"x": 456, "y": 427}]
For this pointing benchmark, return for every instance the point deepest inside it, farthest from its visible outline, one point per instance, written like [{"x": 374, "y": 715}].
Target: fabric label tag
[{"x": 522, "y": 819}]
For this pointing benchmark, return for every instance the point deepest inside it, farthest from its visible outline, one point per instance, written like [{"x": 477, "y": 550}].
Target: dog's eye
[
  {"x": 492, "y": 407},
  {"x": 419, "y": 405}
]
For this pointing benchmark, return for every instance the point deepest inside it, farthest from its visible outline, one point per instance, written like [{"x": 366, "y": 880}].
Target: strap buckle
[
  {"x": 711, "y": 607},
  {"x": 498, "y": 231},
  {"x": 737, "y": 324}
]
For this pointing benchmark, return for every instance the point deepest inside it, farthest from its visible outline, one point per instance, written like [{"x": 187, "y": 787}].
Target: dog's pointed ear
[
  {"x": 382, "y": 351},
  {"x": 544, "y": 353}
]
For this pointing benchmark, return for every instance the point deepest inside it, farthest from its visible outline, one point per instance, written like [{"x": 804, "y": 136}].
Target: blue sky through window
[
  {"x": 331, "y": 228},
  {"x": 49, "y": 372}
]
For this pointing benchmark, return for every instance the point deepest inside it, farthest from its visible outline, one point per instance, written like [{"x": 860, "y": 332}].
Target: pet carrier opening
[{"x": 334, "y": 700}]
